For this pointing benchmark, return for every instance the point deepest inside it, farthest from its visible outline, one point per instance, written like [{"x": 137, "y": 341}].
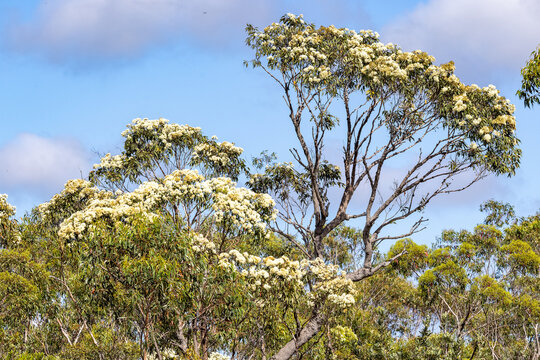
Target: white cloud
[
  {"x": 482, "y": 36},
  {"x": 94, "y": 31},
  {"x": 36, "y": 165},
  {"x": 104, "y": 29}
]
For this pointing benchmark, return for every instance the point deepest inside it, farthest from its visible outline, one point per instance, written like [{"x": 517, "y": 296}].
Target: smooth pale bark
[{"x": 309, "y": 330}]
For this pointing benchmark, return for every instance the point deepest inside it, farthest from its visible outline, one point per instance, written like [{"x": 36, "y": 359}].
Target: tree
[
  {"x": 147, "y": 243},
  {"x": 160, "y": 255},
  {"x": 472, "y": 295},
  {"x": 154, "y": 255},
  {"x": 219, "y": 242},
  {"x": 390, "y": 107},
  {"x": 481, "y": 288},
  {"x": 530, "y": 84}
]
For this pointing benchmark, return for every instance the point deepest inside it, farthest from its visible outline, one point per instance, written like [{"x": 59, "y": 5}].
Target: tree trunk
[{"x": 309, "y": 330}]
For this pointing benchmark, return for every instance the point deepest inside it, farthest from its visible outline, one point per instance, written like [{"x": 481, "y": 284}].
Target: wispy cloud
[
  {"x": 484, "y": 37},
  {"x": 91, "y": 30},
  {"x": 36, "y": 165}
]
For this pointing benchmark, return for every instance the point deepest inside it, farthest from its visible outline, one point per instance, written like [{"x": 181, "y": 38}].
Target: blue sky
[{"x": 75, "y": 72}]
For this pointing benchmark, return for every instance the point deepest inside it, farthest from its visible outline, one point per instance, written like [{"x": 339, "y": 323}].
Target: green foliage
[
  {"x": 530, "y": 84},
  {"x": 413, "y": 259},
  {"x": 161, "y": 256},
  {"x": 144, "y": 287},
  {"x": 109, "y": 344},
  {"x": 35, "y": 356},
  {"x": 475, "y": 295},
  {"x": 499, "y": 214}
]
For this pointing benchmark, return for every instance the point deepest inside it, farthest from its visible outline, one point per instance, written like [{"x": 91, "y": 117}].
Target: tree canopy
[
  {"x": 388, "y": 106},
  {"x": 530, "y": 84},
  {"x": 159, "y": 254}
]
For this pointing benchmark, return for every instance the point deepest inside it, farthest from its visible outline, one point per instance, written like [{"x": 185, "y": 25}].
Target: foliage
[
  {"x": 530, "y": 83},
  {"x": 160, "y": 255},
  {"x": 387, "y": 107}
]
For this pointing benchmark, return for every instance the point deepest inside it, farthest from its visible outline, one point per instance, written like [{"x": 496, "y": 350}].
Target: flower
[{"x": 6, "y": 210}]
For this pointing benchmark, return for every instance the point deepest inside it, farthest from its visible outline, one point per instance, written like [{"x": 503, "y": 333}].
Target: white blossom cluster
[
  {"x": 494, "y": 120},
  {"x": 168, "y": 133},
  {"x": 460, "y": 102},
  {"x": 143, "y": 138},
  {"x": 268, "y": 272},
  {"x": 243, "y": 208},
  {"x": 111, "y": 162},
  {"x": 182, "y": 185},
  {"x": 150, "y": 141},
  {"x": 102, "y": 205},
  {"x": 326, "y": 56},
  {"x": 76, "y": 190},
  {"x": 166, "y": 354},
  {"x": 487, "y": 128},
  {"x": 295, "y": 42},
  {"x": 218, "y": 356},
  {"x": 276, "y": 274},
  {"x": 200, "y": 244},
  {"x": 229, "y": 259},
  {"x": 381, "y": 66},
  {"x": 6, "y": 210},
  {"x": 220, "y": 153},
  {"x": 336, "y": 288},
  {"x": 339, "y": 291},
  {"x": 120, "y": 209}
]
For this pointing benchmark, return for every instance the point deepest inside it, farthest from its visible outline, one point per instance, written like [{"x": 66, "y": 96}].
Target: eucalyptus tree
[
  {"x": 530, "y": 83},
  {"x": 210, "y": 260},
  {"x": 410, "y": 131},
  {"x": 481, "y": 288},
  {"x": 161, "y": 255},
  {"x": 146, "y": 233}
]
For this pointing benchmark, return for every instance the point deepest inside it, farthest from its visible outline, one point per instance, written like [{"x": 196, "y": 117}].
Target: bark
[{"x": 310, "y": 329}]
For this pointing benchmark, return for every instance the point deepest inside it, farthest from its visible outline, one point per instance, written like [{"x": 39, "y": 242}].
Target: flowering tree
[
  {"x": 174, "y": 256},
  {"x": 390, "y": 107},
  {"x": 148, "y": 239},
  {"x": 160, "y": 255}
]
